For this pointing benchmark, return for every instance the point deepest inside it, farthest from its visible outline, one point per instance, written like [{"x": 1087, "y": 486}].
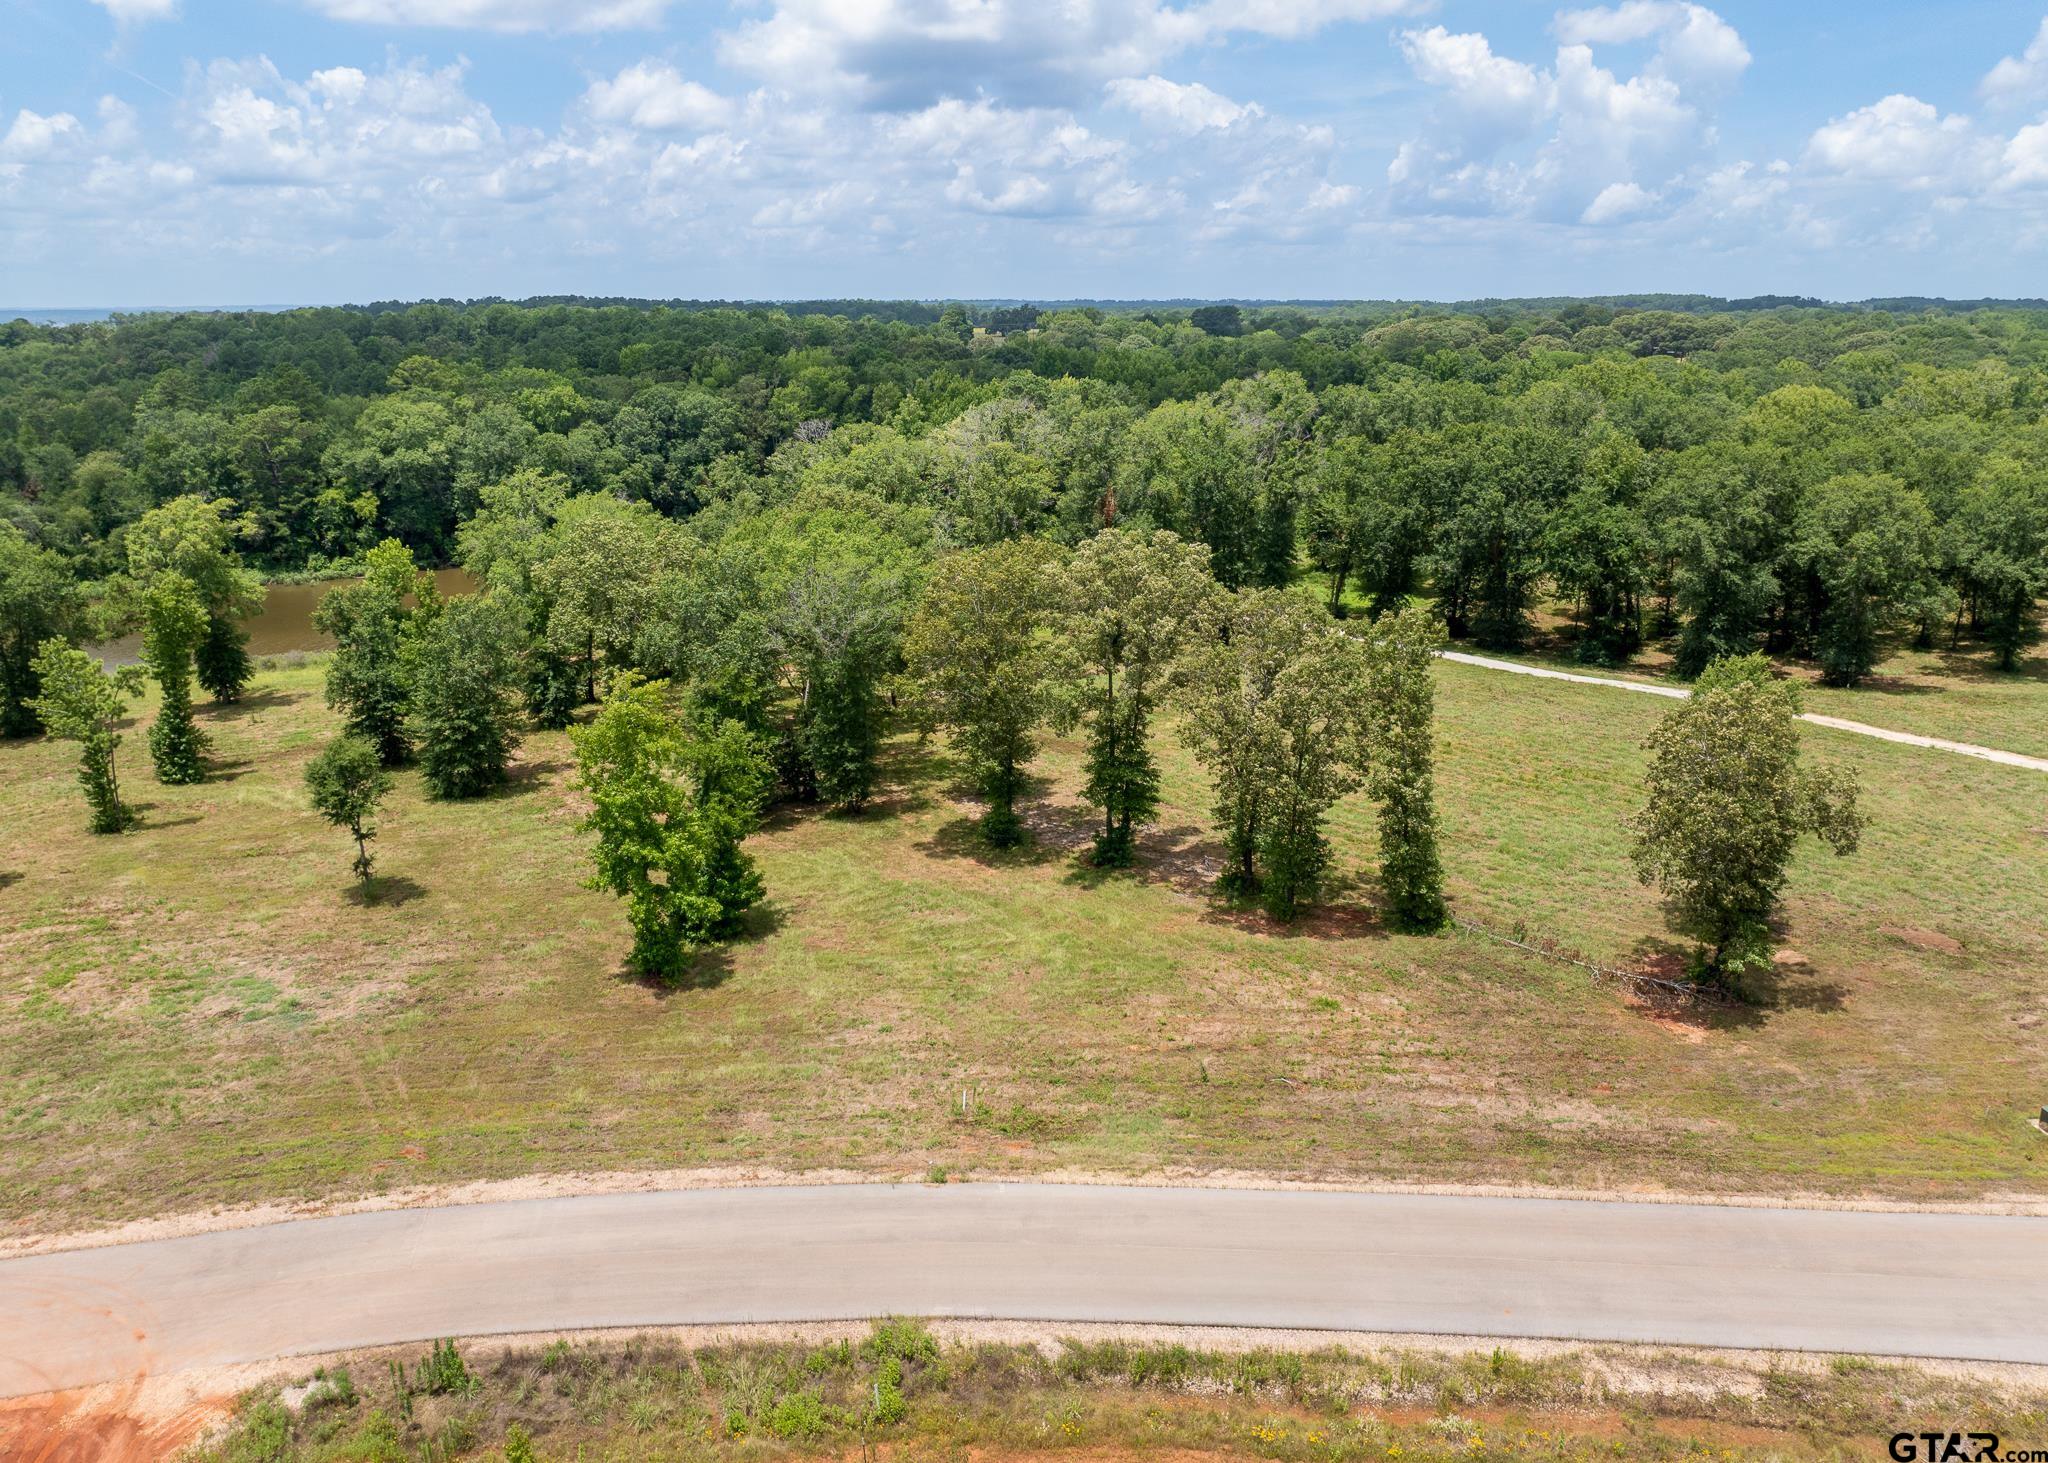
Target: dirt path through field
[{"x": 1833, "y": 723}]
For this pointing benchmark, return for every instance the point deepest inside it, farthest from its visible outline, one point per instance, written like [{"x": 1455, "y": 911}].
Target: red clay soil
[{"x": 101, "y": 1427}]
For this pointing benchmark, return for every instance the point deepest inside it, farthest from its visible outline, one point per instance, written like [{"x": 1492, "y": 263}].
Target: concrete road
[
  {"x": 1833, "y": 723},
  {"x": 1948, "y": 1285}
]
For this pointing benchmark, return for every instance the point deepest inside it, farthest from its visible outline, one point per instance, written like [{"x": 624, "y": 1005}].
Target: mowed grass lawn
[{"x": 202, "y": 1011}]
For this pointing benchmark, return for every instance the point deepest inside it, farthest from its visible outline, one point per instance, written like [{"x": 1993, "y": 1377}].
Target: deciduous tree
[
  {"x": 79, "y": 700},
  {"x": 39, "y": 602},
  {"x": 1727, "y": 801},
  {"x": 1129, "y": 603},
  {"x": 173, "y": 625},
  {"x": 984, "y": 664},
  {"x": 670, "y": 805},
  {"x": 346, "y": 782},
  {"x": 463, "y": 713}
]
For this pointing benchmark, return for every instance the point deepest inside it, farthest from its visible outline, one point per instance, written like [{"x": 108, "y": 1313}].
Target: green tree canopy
[{"x": 1727, "y": 800}]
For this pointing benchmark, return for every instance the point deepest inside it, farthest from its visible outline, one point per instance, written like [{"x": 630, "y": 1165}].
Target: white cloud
[
  {"x": 1899, "y": 139},
  {"x": 655, "y": 97},
  {"x": 2016, "y": 80},
  {"x": 2025, "y": 157},
  {"x": 1573, "y": 142},
  {"x": 903, "y": 54},
  {"x": 1695, "y": 47},
  {"x": 34, "y": 135},
  {"x": 135, "y": 12},
  {"x": 1617, "y": 201},
  {"x": 1173, "y": 106},
  {"x": 514, "y": 16},
  {"x": 1492, "y": 97}
]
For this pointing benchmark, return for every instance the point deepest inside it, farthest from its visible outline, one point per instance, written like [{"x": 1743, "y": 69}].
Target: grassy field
[
  {"x": 203, "y": 1011},
  {"x": 1954, "y": 693},
  {"x": 898, "y": 1393}
]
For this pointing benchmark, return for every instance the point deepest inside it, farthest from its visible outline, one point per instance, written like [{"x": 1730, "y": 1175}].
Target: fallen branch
[{"x": 1685, "y": 990}]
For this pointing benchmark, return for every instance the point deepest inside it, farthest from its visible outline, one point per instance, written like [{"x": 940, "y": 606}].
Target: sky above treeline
[{"x": 315, "y": 151}]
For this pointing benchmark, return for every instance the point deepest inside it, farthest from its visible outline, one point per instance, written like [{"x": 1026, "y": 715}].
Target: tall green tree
[
  {"x": 503, "y": 546},
  {"x": 78, "y": 700},
  {"x": 1363, "y": 526},
  {"x": 670, "y": 805},
  {"x": 604, "y": 556},
  {"x": 194, "y": 537},
  {"x": 173, "y": 625},
  {"x": 980, "y": 653},
  {"x": 463, "y": 711},
  {"x": 39, "y": 601},
  {"x": 1400, "y": 730},
  {"x": 1130, "y": 601},
  {"x": 1866, "y": 544},
  {"x": 1189, "y": 467},
  {"x": 346, "y": 783},
  {"x": 372, "y": 624},
  {"x": 1727, "y": 801},
  {"x": 2001, "y": 546},
  {"x": 1272, "y": 707}
]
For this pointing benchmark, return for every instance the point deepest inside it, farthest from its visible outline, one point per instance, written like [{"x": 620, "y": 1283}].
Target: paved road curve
[
  {"x": 1836, "y": 723},
  {"x": 1953, "y": 1285}
]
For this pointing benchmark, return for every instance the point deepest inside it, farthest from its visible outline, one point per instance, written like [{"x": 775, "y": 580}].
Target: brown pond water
[{"x": 285, "y": 623}]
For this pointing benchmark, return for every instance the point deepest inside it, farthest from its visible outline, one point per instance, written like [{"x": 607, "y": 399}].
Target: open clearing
[{"x": 202, "y": 1012}]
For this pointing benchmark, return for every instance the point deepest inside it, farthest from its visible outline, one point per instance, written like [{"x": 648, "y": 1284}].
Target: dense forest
[{"x": 1801, "y": 479}]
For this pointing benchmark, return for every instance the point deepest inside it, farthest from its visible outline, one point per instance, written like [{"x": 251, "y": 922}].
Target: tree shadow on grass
[
  {"x": 1347, "y": 909},
  {"x": 712, "y": 966},
  {"x": 962, "y": 838},
  {"x": 522, "y": 778},
  {"x": 253, "y": 703},
  {"x": 219, "y": 771},
  {"x": 1878, "y": 685},
  {"x": 386, "y": 891},
  {"x": 139, "y": 819}
]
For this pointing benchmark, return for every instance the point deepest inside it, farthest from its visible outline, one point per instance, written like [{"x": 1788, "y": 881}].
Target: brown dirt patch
[{"x": 128, "y": 1424}]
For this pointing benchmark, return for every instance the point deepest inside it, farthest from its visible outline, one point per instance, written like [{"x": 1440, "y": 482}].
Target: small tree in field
[
  {"x": 79, "y": 701},
  {"x": 346, "y": 782},
  {"x": 985, "y": 666},
  {"x": 1727, "y": 802},
  {"x": 670, "y": 806},
  {"x": 174, "y": 623}
]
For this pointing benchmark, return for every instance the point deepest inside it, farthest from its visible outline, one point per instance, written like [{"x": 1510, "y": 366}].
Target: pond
[{"x": 285, "y": 623}]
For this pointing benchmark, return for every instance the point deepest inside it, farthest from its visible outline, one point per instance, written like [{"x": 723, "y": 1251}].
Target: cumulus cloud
[
  {"x": 514, "y": 16},
  {"x": 1694, "y": 46},
  {"x": 2017, "y": 80},
  {"x": 1617, "y": 201},
  {"x": 1901, "y": 140},
  {"x": 655, "y": 97},
  {"x": 1172, "y": 106},
  {"x": 1574, "y": 141},
  {"x": 34, "y": 135},
  {"x": 902, "y": 54}
]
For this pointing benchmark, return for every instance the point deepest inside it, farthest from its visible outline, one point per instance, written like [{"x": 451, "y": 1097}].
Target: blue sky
[{"x": 275, "y": 151}]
